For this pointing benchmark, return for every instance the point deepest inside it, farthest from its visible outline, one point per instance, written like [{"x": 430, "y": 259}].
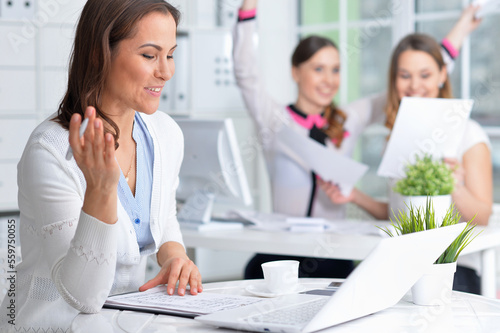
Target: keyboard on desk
[
  {"x": 237, "y": 219},
  {"x": 258, "y": 218},
  {"x": 298, "y": 314}
]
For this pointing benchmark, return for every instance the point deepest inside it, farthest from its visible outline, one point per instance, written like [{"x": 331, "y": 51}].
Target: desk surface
[
  {"x": 467, "y": 313},
  {"x": 350, "y": 243},
  {"x": 346, "y": 245}
]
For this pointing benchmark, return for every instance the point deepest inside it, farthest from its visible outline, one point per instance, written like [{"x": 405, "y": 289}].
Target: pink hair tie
[
  {"x": 453, "y": 51},
  {"x": 246, "y": 14}
]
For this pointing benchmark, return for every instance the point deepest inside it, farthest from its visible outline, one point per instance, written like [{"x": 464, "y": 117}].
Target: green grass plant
[{"x": 420, "y": 219}]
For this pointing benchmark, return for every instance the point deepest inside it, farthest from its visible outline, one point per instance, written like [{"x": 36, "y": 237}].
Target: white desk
[
  {"x": 467, "y": 313},
  {"x": 335, "y": 246}
]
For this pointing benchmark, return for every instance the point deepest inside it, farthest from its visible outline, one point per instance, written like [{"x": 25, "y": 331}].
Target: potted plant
[
  {"x": 434, "y": 287},
  {"x": 427, "y": 177}
]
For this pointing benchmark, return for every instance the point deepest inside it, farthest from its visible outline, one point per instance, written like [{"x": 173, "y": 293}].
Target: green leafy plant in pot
[
  {"x": 426, "y": 177},
  {"x": 434, "y": 287}
]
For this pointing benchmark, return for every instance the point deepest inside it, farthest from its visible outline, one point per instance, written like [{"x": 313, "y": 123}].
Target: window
[{"x": 363, "y": 37}]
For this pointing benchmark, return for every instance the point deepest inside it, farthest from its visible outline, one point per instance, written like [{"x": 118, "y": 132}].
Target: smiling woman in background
[
  {"x": 88, "y": 224},
  {"x": 315, "y": 68},
  {"x": 417, "y": 68},
  {"x": 420, "y": 67}
]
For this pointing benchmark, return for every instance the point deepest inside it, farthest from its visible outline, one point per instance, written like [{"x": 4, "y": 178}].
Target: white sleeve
[
  {"x": 364, "y": 112},
  {"x": 79, "y": 250},
  {"x": 473, "y": 135},
  {"x": 172, "y": 231},
  {"x": 262, "y": 108}
]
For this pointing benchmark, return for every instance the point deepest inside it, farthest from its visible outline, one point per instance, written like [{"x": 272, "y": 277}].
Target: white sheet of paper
[
  {"x": 328, "y": 164},
  {"x": 282, "y": 222},
  {"x": 158, "y": 299},
  {"x": 262, "y": 221},
  {"x": 432, "y": 126},
  {"x": 487, "y": 7}
]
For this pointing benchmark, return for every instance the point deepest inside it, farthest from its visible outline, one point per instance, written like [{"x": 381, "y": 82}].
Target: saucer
[{"x": 260, "y": 289}]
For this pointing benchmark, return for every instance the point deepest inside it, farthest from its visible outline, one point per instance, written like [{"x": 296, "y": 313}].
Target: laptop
[{"x": 378, "y": 282}]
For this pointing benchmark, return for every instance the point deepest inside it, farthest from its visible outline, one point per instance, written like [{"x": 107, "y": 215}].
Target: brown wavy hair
[
  {"x": 416, "y": 42},
  {"x": 334, "y": 116},
  {"x": 101, "y": 27}
]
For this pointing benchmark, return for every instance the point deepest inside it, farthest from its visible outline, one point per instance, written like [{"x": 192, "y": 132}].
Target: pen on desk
[{"x": 83, "y": 127}]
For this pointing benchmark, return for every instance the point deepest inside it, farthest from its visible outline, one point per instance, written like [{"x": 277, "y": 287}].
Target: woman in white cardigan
[{"x": 88, "y": 223}]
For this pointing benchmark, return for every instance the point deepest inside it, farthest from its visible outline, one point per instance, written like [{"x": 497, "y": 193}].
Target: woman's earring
[{"x": 441, "y": 85}]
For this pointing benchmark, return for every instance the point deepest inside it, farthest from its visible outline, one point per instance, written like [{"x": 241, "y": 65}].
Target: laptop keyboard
[{"x": 291, "y": 315}]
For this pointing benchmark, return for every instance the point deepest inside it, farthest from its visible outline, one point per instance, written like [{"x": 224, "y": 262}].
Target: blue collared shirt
[{"x": 138, "y": 207}]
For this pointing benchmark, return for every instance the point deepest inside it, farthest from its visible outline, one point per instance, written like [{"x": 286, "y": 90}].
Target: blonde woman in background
[{"x": 418, "y": 69}]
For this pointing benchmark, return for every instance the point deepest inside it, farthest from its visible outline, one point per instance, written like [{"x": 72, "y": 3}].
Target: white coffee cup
[{"x": 281, "y": 276}]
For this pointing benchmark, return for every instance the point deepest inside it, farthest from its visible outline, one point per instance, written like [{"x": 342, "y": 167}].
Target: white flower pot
[
  {"x": 441, "y": 205},
  {"x": 435, "y": 286}
]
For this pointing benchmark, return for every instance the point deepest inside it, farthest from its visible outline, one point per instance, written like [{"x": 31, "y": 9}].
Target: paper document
[
  {"x": 487, "y": 7},
  {"x": 307, "y": 224},
  {"x": 210, "y": 226},
  {"x": 281, "y": 222},
  {"x": 157, "y": 300},
  {"x": 432, "y": 126},
  {"x": 326, "y": 163},
  {"x": 260, "y": 220}
]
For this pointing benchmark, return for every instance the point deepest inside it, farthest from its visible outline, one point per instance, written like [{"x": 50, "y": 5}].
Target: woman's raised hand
[
  {"x": 464, "y": 26},
  {"x": 94, "y": 154},
  {"x": 468, "y": 21},
  {"x": 249, "y": 4}
]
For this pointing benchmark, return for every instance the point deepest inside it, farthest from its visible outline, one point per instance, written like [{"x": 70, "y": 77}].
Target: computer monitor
[{"x": 212, "y": 169}]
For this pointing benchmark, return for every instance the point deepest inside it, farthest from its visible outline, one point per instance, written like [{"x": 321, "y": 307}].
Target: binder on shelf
[
  {"x": 182, "y": 74},
  {"x": 227, "y": 13},
  {"x": 205, "y": 13},
  {"x": 167, "y": 97}
]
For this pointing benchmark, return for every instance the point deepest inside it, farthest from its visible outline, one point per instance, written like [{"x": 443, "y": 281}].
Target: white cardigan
[{"x": 71, "y": 261}]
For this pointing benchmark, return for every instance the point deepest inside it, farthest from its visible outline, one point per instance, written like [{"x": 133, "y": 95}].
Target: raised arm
[
  {"x": 249, "y": 5},
  {"x": 267, "y": 114},
  {"x": 464, "y": 26},
  {"x": 453, "y": 41}
]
